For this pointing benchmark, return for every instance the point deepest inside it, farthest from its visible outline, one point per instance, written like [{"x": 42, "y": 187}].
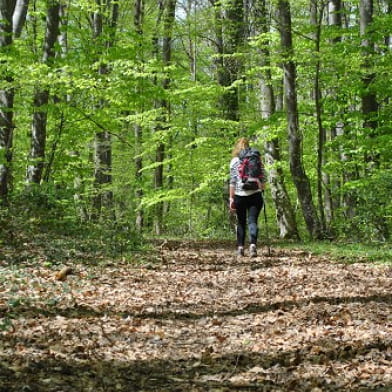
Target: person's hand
[
  {"x": 262, "y": 185},
  {"x": 232, "y": 205}
]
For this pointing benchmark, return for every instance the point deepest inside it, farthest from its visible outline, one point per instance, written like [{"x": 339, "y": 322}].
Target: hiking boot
[
  {"x": 252, "y": 250},
  {"x": 240, "y": 251}
]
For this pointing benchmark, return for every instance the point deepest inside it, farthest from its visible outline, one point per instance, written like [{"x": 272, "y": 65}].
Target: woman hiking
[{"x": 247, "y": 181}]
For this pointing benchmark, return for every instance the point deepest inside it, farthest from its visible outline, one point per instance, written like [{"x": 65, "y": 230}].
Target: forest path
[{"x": 196, "y": 318}]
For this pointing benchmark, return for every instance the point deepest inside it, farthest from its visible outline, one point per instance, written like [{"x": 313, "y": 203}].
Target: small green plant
[{"x": 6, "y": 324}]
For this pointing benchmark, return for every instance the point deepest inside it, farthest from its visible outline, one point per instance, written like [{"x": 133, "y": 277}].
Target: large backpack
[{"x": 250, "y": 168}]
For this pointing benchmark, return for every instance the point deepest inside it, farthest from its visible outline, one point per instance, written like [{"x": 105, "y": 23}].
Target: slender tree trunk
[
  {"x": 41, "y": 99},
  {"x": 338, "y": 16},
  {"x": 370, "y": 104},
  {"x": 317, "y": 13},
  {"x": 193, "y": 122},
  {"x": 221, "y": 72},
  {"x": 168, "y": 21},
  {"x": 19, "y": 16},
  {"x": 234, "y": 38},
  {"x": 335, "y": 17},
  {"x": 388, "y": 37},
  {"x": 63, "y": 36},
  {"x": 138, "y": 130},
  {"x": 348, "y": 201},
  {"x": 332, "y": 184},
  {"x": 78, "y": 183},
  {"x": 99, "y": 150},
  {"x": 298, "y": 173},
  {"x": 6, "y": 101},
  {"x": 102, "y": 173},
  {"x": 103, "y": 199},
  {"x": 369, "y": 98},
  {"x": 284, "y": 211},
  {"x": 229, "y": 28}
]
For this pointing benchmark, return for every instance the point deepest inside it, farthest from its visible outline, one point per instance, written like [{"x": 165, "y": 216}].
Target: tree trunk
[
  {"x": 388, "y": 37},
  {"x": 284, "y": 211},
  {"x": 6, "y": 101},
  {"x": 168, "y": 21},
  {"x": 317, "y": 12},
  {"x": 348, "y": 201},
  {"x": 103, "y": 199},
  {"x": 229, "y": 27},
  {"x": 332, "y": 184},
  {"x": 138, "y": 130},
  {"x": 335, "y": 17},
  {"x": 19, "y": 16},
  {"x": 300, "y": 178},
  {"x": 41, "y": 99},
  {"x": 369, "y": 98},
  {"x": 221, "y": 72},
  {"x": 102, "y": 173}
]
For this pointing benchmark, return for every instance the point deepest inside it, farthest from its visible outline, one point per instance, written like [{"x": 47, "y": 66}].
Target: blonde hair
[{"x": 240, "y": 144}]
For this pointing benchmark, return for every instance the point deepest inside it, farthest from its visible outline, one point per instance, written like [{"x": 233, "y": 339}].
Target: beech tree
[
  {"x": 138, "y": 129},
  {"x": 230, "y": 35},
  {"x": 6, "y": 100},
  {"x": 165, "y": 51},
  {"x": 284, "y": 212},
  {"x": 104, "y": 18},
  {"x": 331, "y": 185},
  {"x": 41, "y": 98},
  {"x": 368, "y": 97},
  {"x": 300, "y": 178},
  {"x": 19, "y": 16}
]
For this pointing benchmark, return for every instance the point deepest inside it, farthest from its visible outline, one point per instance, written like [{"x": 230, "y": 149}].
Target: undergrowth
[
  {"x": 51, "y": 239},
  {"x": 346, "y": 252}
]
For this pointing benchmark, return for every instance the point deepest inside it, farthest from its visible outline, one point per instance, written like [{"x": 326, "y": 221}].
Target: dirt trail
[{"x": 196, "y": 318}]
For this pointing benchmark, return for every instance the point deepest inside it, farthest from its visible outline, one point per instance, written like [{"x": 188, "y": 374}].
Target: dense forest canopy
[{"x": 126, "y": 111}]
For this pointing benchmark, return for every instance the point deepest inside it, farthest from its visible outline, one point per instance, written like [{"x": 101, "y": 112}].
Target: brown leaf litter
[{"x": 199, "y": 319}]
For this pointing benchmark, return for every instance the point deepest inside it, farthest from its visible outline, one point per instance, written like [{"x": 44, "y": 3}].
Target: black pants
[{"x": 248, "y": 206}]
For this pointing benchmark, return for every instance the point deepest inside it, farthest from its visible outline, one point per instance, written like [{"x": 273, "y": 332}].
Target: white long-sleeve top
[{"x": 236, "y": 182}]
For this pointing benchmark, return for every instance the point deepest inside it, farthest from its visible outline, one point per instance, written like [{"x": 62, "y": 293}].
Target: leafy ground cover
[{"x": 192, "y": 317}]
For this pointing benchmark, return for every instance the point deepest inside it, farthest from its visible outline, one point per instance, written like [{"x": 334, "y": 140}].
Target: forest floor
[{"x": 193, "y": 317}]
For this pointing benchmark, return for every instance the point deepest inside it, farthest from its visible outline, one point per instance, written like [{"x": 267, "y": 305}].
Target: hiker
[{"x": 247, "y": 181}]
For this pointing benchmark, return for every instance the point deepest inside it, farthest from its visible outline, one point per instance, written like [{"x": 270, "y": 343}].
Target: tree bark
[
  {"x": 103, "y": 199},
  {"x": 229, "y": 28},
  {"x": 388, "y": 37},
  {"x": 332, "y": 184},
  {"x": 41, "y": 99},
  {"x": 369, "y": 97},
  {"x": 298, "y": 173},
  {"x": 138, "y": 130},
  {"x": 168, "y": 21},
  {"x": 317, "y": 13},
  {"x": 19, "y": 16},
  {"x": 335, "y": 17},
  {"x": 284, "y": 211},
  {"x": 6, "y": 101}
]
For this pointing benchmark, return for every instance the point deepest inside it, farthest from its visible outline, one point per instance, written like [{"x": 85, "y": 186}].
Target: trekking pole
[{"x": 266, "y": 227}]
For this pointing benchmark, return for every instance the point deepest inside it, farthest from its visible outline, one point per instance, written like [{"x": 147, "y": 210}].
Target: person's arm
[
  {"x": 231, "y": 196},
  {"x": 233, "y": 180}
]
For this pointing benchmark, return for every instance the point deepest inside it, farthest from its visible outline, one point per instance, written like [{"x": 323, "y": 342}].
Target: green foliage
[
  {"x": 197, "y": 139},
  {"x": 43, "y": 220}
]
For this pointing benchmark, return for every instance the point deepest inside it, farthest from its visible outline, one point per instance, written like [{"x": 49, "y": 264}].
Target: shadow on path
[
  {"x": 215, "y": 373},
  {"x": 82, "y": 311}
]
